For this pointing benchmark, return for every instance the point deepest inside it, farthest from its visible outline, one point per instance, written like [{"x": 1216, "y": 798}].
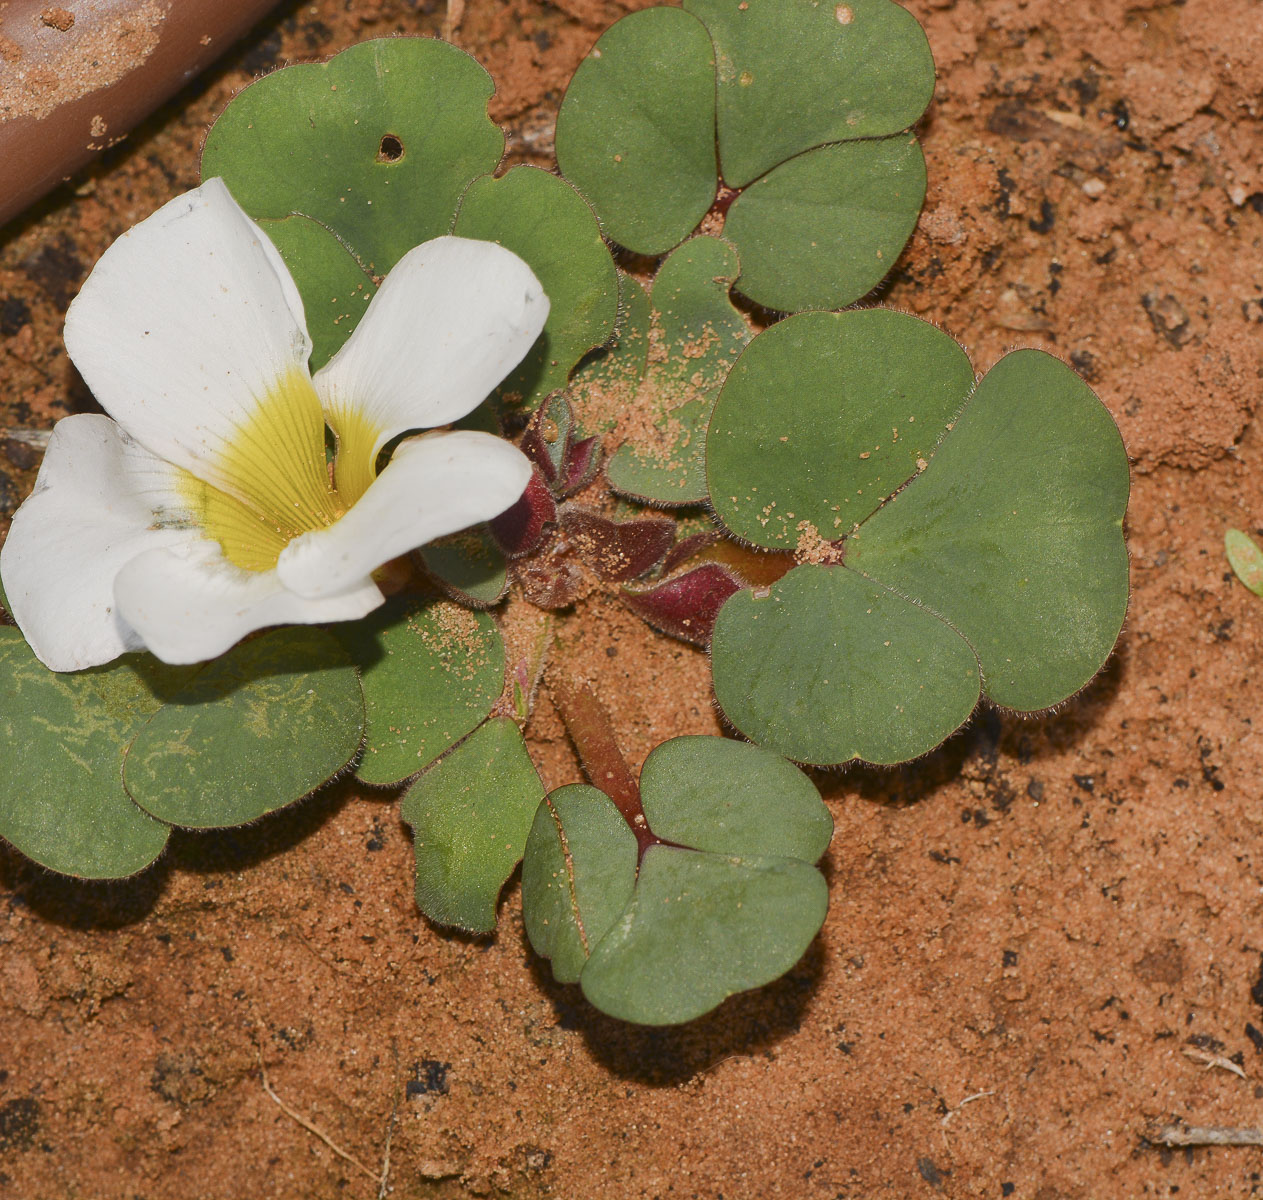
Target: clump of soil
[{"x": 1039, "y": 936}]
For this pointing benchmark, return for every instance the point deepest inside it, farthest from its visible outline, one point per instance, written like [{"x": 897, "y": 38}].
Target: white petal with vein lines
[
  {"x": 191, "y": 604},
  {"x": 98, "y": 502},
  {"x": 185, "y": 325}
]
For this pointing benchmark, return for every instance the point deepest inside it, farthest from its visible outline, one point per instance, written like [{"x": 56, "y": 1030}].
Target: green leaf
[
  {"x": 544, "y": 221},
  {"x": 828, "y": 667},
  {"x": 733, "y": 798},
  {"x": 701, "y": 927},
  {"x": 469, "y": 566},
  {"x": 1014, "y": 533},
  {"x": 664, "y": 936},
  {"x": 470, "y": 816},
  {"x": 377, "y": 144},
  {"x": 577, "y": 876},
  {"x": 824, "y": 416},
  {"x": 823, "y": 229},
  {"x": 696, "y": 335},
  {"x": 62, "y": 740},
  {"x": 335, "y": 290},
  {"x": 636, "y": 130},
  {"x": 431, "y": 673},
  {"x": 797, "y": 75},
  {"x": 603, "y": 388},
  {"x": 1245, "y": 558},
  {"x": 272, "y": 720}
]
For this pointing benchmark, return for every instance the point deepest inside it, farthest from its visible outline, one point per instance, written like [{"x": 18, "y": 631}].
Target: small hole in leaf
[{"x": 391, "y": 149}]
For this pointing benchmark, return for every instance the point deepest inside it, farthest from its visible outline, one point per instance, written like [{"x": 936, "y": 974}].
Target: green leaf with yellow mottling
[
  {"x": 272, "y": 720},
  {"x": 603, "y": 387},
  {"x": 62, "y": 740}
]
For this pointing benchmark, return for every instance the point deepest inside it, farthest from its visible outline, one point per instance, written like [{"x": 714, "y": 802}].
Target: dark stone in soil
[{"x": 19, "y": 1123}]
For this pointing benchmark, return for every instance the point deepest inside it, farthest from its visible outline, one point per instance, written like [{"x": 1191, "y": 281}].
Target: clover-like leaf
[
  {"x": 824, "y": 416},
  {"x": 549, "y": 439},
  {"x": 1245, "y": 558},
  {"x": 794, "y": 75},
  {"x": 943, "y": 552},
  {"x": 470, "y": 816},
  {"x": 544, "y": 221},
  {"x": 378, "y": 144},
  {"x": 62, "y": 740},
  {"x": 828, "y": 667},
  {"x": 578, "y": 874},
  {"x": 1014, "y": 533},
  {"x": 824, "y": 228},
  {"x": 430, "y": 672},
  {"x": 335, "y": 289},
  {"x": 469, "y": 566},
  {"x": 719, "y": 894},
  {"x": 272, "y": 720},
  {"x": 811, "y": 102},
  {"x": 636, "y": 130},
  {"x": 695, "y": 336}
]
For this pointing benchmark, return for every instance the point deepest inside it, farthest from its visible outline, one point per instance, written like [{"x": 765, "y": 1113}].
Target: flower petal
[
  {"x": 433, "y": 485},
  {"x": 93, "y": 510},
  {"x": 186, "y": 331},
  {"x": 191, "y": 604},
  {"x": 452, "y": 319}
]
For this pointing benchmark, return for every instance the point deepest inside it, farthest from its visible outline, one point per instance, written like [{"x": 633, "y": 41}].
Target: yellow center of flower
[{"x": 281, "y": 486}]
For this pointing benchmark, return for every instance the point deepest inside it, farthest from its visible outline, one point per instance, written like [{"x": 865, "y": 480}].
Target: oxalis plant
[{"x": 362, "y": 387}]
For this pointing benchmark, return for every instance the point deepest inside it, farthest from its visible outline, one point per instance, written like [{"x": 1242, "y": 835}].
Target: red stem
[{"x": 590, "y": 730}]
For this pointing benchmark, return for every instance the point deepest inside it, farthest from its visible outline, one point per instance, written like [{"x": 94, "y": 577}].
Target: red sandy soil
[{"x": 1040, "y": 937}]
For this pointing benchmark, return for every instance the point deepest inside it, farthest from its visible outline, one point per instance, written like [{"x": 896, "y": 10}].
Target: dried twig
[
  {"x": 1213, "y": 1060},
  {"x": 390, "y": 1127},
  {"x": 451, "y": 22},
  {"x": 966, "y": 1100},
  {"x": 1205, "y": 1135},
  {"x": 307, "y": 1125},
  {"x": 35, "y": 438}
]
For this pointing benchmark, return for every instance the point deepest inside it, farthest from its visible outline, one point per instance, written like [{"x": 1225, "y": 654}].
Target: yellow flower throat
[{"x": 281, "y": 483}]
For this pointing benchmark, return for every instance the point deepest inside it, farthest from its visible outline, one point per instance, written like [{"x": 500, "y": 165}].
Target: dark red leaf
[
  {"x": 617, "y": 550},
  {"x": 580, "y": 467},
  {"x": 520, "y": 530},
  {"x": 687, "y": 605},
  {"x": 548, "y": 437}
]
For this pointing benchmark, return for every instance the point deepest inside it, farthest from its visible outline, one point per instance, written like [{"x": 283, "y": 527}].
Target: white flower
[{"x": 205, "y": 510}]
